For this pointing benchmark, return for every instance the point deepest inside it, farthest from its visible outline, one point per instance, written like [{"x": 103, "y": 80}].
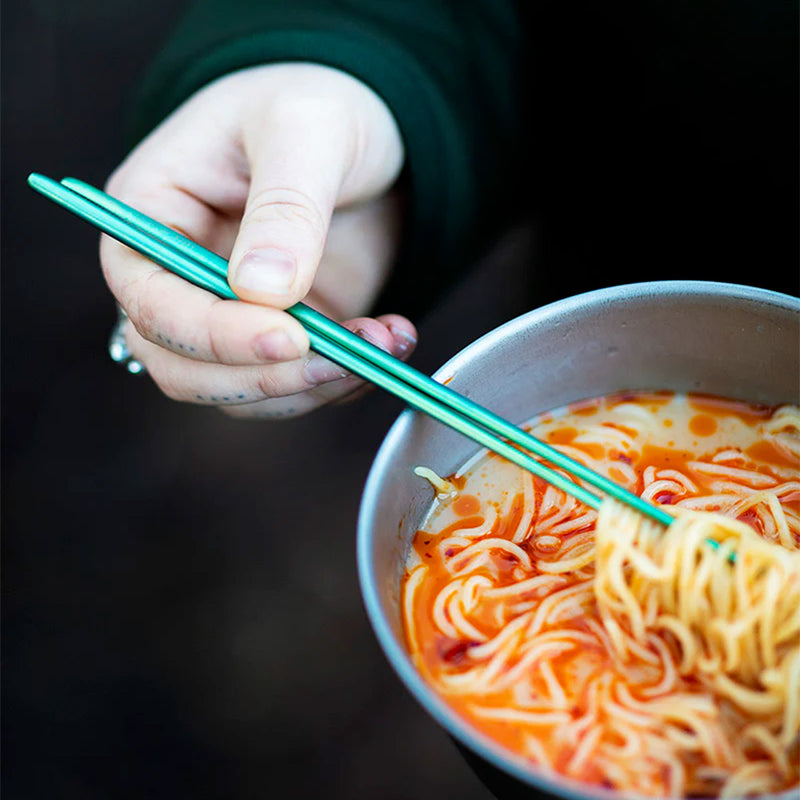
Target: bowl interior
[{"x": 721, "y": 339}]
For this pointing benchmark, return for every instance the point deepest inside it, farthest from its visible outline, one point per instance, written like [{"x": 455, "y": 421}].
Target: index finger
[{"x": 170, "y": 312}]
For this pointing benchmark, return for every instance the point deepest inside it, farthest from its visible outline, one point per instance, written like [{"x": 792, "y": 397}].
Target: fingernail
[
  {"x": 275, "y": 345},
  {"x": 403, "y": 341},
  {"x": 319, "y": 370},
  {"x": 267, "y": 270}
]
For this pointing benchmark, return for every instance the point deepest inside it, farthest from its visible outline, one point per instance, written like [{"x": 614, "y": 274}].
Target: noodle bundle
[
  {"x": 602, "y": 646},
  {"x": 734, "y": 608}
]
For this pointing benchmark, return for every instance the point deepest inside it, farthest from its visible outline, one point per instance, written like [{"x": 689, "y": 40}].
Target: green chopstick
[{"x": 209, "y": 271}]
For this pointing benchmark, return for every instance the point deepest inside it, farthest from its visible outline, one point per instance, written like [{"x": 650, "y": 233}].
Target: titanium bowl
[{"x": 715, "y": 338}]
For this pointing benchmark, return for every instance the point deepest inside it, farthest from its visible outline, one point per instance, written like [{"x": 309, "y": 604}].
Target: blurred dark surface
[{"x": 181, "y": 613}]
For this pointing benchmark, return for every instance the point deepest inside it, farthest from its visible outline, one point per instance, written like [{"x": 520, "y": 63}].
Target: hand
[{"x": 287, "y": 170}]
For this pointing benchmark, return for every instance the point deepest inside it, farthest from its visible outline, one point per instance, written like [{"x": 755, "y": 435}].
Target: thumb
[{"x": 296, "y": 174}]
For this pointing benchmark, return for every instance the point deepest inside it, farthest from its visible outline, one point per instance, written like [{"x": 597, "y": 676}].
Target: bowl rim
[{"x": 479, "y": 743}]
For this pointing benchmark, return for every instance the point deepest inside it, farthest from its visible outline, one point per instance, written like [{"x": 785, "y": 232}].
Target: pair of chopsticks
[{"x": 209, "y": 271}]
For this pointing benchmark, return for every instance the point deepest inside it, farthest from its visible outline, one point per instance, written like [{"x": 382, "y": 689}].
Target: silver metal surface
[{"x": 721, "y": 339}]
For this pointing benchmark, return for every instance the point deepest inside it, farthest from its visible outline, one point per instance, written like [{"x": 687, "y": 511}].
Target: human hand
[{"x": 286, "y": 169}]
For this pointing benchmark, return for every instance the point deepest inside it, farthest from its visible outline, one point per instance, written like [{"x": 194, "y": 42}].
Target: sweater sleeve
[{"x": 447, "y": 69}]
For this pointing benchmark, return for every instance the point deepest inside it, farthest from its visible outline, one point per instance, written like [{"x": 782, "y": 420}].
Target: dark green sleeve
[{"x": 447, "y": 71}]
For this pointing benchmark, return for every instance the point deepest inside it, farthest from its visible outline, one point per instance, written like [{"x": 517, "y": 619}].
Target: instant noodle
[{"x": 618, "y": 653}]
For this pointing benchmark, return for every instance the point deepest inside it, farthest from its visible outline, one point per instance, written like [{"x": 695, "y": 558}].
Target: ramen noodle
[{"x": 610, "y": 649}]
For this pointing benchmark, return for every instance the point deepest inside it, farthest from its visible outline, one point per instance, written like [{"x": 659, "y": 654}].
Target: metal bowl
[{"x": 722, "y": 339}]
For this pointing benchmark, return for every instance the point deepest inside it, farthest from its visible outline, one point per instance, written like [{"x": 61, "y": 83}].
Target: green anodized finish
[{"x": 209, "y": 271}]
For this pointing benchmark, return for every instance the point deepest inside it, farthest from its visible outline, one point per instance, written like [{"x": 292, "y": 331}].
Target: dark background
[{"x": 181, "y": 613}]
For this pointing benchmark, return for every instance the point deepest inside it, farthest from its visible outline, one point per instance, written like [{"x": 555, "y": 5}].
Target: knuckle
[
  {"x": 225, "y": 329},
  {"x": 284, "y": 204},
  {"x": 214, "y": 346},
  {"x": 215, "y": 335},
  {"x": 268, "y": 385},
  {"x": 112, "y": 263},
  {"x": 142, "y": 308}
]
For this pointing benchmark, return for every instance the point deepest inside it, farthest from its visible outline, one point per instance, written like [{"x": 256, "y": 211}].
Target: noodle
[
  {"x": 600, "y": 645},
  {"x": 744, "y": 617}
]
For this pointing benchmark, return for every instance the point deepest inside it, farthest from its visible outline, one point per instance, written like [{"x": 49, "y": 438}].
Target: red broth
[{"x": 519, "y": 649}]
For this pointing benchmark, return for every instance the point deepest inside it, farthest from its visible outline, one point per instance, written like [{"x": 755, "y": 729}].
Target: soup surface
[{"x": 501, "y": 616}]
